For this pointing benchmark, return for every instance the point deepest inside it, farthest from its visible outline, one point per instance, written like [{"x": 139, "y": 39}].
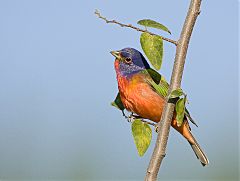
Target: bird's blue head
[{"x": 130, "y": 61}]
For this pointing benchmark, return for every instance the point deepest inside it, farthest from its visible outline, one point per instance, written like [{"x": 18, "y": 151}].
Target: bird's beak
[{"x": 116, "y": 54}]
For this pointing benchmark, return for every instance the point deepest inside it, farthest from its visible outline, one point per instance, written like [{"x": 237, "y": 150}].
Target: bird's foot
[
  {"x": 156, "y": 128},
  {"x": 131, "y": 118}
]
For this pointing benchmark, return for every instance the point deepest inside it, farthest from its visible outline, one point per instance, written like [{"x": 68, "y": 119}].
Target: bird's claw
[
  {"x": 156, "y": 128},
  {"x": 130, "y": 118}
]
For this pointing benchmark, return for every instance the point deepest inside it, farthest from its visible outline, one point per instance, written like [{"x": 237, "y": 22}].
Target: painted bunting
[{"x": 134, "y": 77}]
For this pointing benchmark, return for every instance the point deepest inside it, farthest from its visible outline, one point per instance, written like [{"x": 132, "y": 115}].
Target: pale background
[{"x": 57, "y": 81}]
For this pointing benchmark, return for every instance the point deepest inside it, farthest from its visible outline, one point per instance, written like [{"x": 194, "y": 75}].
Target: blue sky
[{"x": 57, "y": 81}]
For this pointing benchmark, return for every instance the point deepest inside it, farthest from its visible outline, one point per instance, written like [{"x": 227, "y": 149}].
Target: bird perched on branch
[{"x": 138, "y": 95}]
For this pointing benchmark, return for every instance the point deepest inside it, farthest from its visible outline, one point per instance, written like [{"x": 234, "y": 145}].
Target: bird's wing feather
[
  {"x": 157, "y": 82},
  {"x": 161, "y": 86}
]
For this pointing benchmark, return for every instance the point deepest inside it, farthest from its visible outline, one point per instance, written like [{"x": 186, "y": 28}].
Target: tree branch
[
  {"x": 133, "y": 27},
  {"x": 164, "y": 125}
]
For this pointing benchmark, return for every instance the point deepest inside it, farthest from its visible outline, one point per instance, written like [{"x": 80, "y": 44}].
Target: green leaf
[
  {"x": 142, "y": 134},
  {"x": 118, "y": 103},
  {"x": 180, "y": 110},
  {"x": 152, "y": 46},
  {"x": 153, "y": 24},
  {"x": 176, "y": 93}
]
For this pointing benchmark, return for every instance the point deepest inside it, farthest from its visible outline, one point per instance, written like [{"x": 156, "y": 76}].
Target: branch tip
[{"x": 132, "y": 27}]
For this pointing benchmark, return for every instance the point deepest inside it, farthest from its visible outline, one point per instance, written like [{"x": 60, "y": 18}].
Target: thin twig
[
  {"x": 145, "y": 121},
  {"x": 133, "y": 27},
  {"x": 132, "y": 117},
  {"x": 164, "y": 125}
]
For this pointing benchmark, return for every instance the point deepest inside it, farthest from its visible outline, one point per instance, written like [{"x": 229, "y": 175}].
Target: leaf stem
[{"x": 133, "y": 27}]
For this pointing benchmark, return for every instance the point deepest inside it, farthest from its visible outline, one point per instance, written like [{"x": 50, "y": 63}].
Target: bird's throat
[{"x": 126, "y": 70}]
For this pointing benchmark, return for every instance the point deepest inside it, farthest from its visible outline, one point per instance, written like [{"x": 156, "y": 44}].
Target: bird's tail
[
  {"x": 184, "y": 129},
  {"x": 199, "y": 152}
]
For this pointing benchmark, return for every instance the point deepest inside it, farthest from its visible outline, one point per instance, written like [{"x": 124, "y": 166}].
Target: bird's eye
[{"x": 128, "y": 60}]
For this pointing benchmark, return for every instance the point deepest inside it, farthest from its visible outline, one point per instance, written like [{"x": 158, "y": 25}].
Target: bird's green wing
[
  {"x": 187, "y": 114},
  {"x": 158, "y": 82},
  {"x": 161, "y": 86}
]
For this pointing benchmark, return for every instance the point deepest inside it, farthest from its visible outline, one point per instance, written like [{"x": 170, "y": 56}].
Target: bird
[{"x": 137, "y": 94}]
